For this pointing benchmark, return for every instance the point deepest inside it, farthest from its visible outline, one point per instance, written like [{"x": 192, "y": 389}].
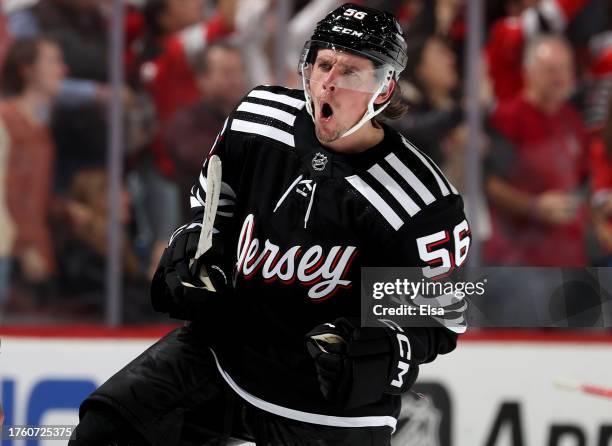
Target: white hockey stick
[{"x": 213, "y": 190}]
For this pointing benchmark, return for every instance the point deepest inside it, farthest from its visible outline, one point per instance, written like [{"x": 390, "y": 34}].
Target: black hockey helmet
[{"x": 364, "y": 31}]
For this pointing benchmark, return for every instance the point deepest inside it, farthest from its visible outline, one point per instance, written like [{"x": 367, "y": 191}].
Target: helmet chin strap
[{"x": 370, "y": 112}]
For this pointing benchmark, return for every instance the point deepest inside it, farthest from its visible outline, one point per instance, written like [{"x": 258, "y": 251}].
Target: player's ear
[{"x": 386, "y": 93}]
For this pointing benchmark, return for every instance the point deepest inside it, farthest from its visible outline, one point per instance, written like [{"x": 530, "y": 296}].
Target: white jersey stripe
[
  {"x": 372, "y": 196},
  {"x": 202, "y": 180},
  {"x": 435, "y": 166},
  {"x": 395, "y": 189},
  {"x": 264, "y": 130},
  {"x": 441, "y": 184},
  {"x": 306, "y": 417},
  {"x": 282, "y": 98},
  {"x": 265, "y": 110},
  {"x": 194, "y": 203},
  {"x": 410, "y": 178},
  {"x": 199, "y": 198}
]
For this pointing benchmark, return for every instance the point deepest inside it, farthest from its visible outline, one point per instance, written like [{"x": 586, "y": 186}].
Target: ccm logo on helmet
[{"x": 352, "y": 32}]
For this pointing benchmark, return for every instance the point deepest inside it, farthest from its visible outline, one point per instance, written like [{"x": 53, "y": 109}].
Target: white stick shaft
[{"x": 213, "y": 186}]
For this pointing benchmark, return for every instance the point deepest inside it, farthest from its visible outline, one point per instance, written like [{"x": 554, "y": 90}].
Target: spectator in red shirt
[
  {"x": 536, "y": 215},
  {"x": 509, "y": 36}
]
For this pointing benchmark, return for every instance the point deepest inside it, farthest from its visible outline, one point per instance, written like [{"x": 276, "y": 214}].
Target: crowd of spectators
[{"x": 546, "y": 143}]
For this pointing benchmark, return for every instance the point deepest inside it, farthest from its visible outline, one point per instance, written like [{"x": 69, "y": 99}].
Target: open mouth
[{"x": 326, "y": 110}]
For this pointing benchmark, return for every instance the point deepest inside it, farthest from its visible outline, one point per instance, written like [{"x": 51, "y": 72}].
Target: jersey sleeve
[
  {"x": 436, "y": 244},
  {"x": 419, "y": 218}
]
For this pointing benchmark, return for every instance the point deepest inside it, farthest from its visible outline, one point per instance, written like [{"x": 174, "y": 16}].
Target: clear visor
[{"x": 343, "y": 68}]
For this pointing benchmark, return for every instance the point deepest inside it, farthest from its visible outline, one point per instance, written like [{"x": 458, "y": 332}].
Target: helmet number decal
[{"x": 359, "y": 15}]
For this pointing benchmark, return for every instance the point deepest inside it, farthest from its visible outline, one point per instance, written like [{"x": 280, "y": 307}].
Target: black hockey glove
[
  {"x": 357, "y": 365},
  {"x": 180, "y": 283}
]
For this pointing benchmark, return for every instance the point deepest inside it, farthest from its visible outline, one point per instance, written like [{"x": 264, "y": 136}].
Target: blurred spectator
[
  {"x": 79, "y": 131},
  {"x": 444, "y": 18},
  {"x": 165, "y": 63},
  {"x": 601, "y": 187},
  {"x": 256, "y": 31},
  {"x": 509, "y": 35},
  {"x": 84, "y": 247},
  {"x": 31, "y": 77},
  {"x": 437, "y": 17},
  {"x": 33, "y": 18},
  {"x": 534, "y": 191},
  {"x": 166, "y": 58},
  {"x": 79, "y": 120},
  {"x": 192, "y": 131},
  {"x": 431, "y": 93}
]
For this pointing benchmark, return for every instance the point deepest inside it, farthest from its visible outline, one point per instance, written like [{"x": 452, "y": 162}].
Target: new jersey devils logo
[
  {"x": 319, "y": 162},
  {"x": 322, "y": 272}
]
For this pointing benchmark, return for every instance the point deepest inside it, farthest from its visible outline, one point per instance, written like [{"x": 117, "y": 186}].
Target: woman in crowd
[{"x": 31, "y": 77}]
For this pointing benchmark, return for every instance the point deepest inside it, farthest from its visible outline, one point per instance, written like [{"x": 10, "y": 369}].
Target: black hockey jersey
[{"x": 297, "y": 222}]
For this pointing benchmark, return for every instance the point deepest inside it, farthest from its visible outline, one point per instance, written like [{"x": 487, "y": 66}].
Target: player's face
[{"x": 341, "y": 85}]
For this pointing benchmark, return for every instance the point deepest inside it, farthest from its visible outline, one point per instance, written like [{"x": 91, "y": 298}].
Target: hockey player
[{"x": 313, "y": 188}]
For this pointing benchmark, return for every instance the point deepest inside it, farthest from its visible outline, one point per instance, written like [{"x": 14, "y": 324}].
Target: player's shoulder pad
[
  {"x": 404, "y": 184},
  {"x": 269, "y": 112}
]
